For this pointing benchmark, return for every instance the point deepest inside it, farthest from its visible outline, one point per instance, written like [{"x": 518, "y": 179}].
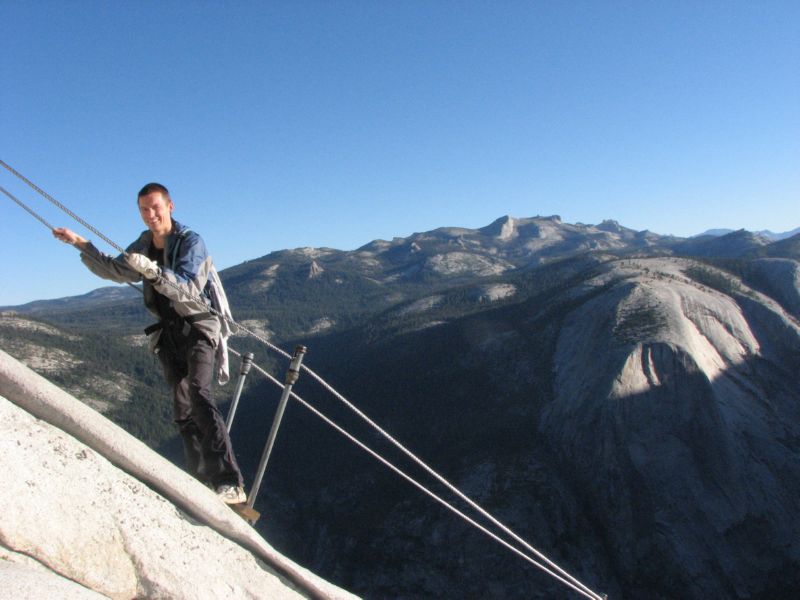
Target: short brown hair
[{"x": 153, "y": 187}]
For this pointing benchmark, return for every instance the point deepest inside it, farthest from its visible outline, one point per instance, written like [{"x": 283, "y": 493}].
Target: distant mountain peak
[
  {"x": 611, "y": 226},
  {"x": 714, "y": 233},
  {"x": 764, "y": 233},
  {"x": 503, "y": 228},
  {"x": 508, "y": 229}
]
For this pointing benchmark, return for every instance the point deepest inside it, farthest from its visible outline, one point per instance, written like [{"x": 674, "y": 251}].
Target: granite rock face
[
  {"x": 639, "y": 424},
  {"x": 781, "y": 276},
  {"x": 679, "y": 408},
  {"x": 24, "y": 578},
  {"x": 91, "y": 523},
  {"x": 73, "y": 521},
  {"x": 637, "y": 419}
]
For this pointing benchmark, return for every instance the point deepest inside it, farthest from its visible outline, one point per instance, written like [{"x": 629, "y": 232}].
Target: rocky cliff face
[
  {"x": 640, "y": 425},
  {"x": 781, "y": 277},
  {"x": 635, "y": 417},
  {"x": 678, "y": 408},
  {"x": 76, "y": 526}
]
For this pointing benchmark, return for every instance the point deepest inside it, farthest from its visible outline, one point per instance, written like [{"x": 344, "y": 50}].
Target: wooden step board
[{"x": 246, "y": 512}]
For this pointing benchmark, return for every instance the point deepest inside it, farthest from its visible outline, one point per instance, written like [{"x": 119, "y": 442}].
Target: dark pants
[{"x": 188, "y": 362}]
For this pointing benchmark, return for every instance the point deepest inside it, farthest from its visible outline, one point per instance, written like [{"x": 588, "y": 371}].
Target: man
[{"x": 179, "y": 284}]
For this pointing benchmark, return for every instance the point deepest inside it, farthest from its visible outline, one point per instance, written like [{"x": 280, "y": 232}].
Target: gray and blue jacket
[{"x": 194, "y": 285}]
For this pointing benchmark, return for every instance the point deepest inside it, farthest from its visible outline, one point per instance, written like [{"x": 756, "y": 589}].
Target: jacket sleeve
[
  {"x": 187, "y": 278},
  {"x": 107, "y": 267}
]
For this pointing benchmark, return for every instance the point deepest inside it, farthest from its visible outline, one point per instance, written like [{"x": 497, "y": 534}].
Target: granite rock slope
[
  {"x": 679, "y": 409},
  {"x": 140, "y": 528}
]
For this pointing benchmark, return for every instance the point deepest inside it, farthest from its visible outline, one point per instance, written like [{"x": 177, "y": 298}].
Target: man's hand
[
  {"x": 148, "y": 268},
  {"x": 69, "y": 237}
]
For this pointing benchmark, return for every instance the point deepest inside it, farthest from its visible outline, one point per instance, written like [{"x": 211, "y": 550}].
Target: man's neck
[{"x": 160, "y": 241}]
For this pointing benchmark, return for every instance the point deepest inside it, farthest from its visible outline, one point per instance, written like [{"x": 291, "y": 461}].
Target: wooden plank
[{"x": 248, "y": 514}]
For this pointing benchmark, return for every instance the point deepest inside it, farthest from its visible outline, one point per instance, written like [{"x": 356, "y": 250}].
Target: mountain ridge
[
  {"x": 771, "y": 235},
  {"x": 503, "y": 385},
  {"x": 602, "y": 390},
  {"x": 546, "y": 237}
]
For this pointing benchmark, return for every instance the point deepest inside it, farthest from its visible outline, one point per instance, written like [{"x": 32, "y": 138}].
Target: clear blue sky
[{"x": 333, "y": 123}]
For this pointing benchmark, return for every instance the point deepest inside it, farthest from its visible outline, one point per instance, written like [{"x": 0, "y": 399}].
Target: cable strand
[
  {"x": 61, "y": 206},
  {"x": 25, "y": 207},
  {"x": 588, "y": 594},
  {"x": 444, "y": 481},
  {"x": 564, "y": 576}
]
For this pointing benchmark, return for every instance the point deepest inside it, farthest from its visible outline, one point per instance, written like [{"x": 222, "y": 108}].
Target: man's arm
[
  {"x": 102, "y": 265},
  {"x": 70, "y": 237}
]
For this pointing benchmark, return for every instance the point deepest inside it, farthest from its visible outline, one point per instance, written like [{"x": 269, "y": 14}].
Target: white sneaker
[{"x": 231, "y": 494}]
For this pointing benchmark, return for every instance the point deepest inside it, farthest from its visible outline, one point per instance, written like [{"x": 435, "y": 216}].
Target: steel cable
[
  {"x": 587, "y": 592},
  {"x": 564, "y": 577}
]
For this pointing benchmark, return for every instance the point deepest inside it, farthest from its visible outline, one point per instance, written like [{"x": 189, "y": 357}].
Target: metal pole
[
  {"x": 291, "y": 377},
  {"x": 247, "y": 362}
]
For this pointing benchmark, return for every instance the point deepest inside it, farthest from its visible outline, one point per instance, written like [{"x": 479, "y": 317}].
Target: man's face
[{"x": 156, "y": 213}]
